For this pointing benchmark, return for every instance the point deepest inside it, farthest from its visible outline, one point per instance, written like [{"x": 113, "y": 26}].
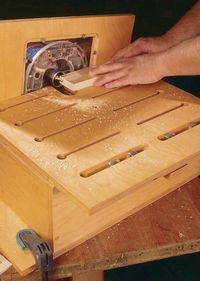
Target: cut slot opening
[
  {"x": 162, "y": 113},
  {"x": 39, "y": 139},
  {"x": 137, "y": 101},
  {"x": 23, "y": 102},
  {"x": 167, "y": 176},
  {"x": 113, "y": 161},
  {"x": 64, "y": 155},
  {"x": 20, "y": 123}
]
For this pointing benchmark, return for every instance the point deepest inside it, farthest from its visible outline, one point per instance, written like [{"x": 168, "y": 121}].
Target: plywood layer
[{"x": 99, "y": 146}]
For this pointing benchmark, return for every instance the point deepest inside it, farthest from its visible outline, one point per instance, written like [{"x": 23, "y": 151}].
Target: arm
[
  {"x": 187, "y": 27},
  {"x": 182, "y": 59}
]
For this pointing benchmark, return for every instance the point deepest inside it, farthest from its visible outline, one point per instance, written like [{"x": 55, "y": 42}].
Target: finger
[
  {"x": 104, "y": 79},
  {"x": 121, "y": 53},
  {"x": 105, "y": 68},
  {"x": 136, "y": 51},
  {"x": 124, "y": 81}
]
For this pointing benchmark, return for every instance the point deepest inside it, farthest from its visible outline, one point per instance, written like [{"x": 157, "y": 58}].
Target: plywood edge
[
  {"x": 10, "y": 224},
  {"x": 99, "y": 206}
]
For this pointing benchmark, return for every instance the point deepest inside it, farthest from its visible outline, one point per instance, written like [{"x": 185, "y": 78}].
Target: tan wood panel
[
  {"x": 29, "y": 197},
  {"x": 109, "y": 129},
  {"x": 111, "y": 33}
]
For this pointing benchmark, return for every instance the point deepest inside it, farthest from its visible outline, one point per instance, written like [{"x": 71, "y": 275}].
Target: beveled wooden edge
[{"x": 68, "y": 17}]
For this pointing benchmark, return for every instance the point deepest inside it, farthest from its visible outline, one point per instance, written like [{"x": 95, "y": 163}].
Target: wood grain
[{"x": 27, "y": 195}]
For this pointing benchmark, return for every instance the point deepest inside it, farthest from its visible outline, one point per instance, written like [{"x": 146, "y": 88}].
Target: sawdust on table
[{"x": 80, "y": 104}]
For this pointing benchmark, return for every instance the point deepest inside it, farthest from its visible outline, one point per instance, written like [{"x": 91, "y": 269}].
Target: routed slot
[
  {"x": 64, "y": 155},
  {"x": 113, "y": 161},
  {"x": 160, "y": 114},
  {"x": 137, "y": 101},
  {"x": 171, "y": 173},
  {"x": 20, "y": 123},
  {"x": 179, "y": 130},
  {"x": 22, "y": 102},
  {"x": 39, "y": 139}
]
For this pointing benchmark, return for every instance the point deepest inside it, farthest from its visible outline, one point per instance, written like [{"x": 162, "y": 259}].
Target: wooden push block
[
  {"x": 77, "y": 80},
  {"x": 71, "y": 166}
]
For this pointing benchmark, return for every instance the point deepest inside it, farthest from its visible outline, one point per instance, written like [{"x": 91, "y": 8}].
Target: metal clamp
[{"x": 30, "y": 240}]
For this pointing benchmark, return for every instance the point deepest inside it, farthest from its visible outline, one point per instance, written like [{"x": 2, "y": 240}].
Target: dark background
[{"x": 153, "y": 17}]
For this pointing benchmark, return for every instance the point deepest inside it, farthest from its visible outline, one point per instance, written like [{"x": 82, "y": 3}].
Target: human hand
[
  {"x": 144, "y": 45},
  {"x": 143, "y": 69}
]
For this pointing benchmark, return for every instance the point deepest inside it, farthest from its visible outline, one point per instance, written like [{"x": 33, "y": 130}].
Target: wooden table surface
[{"x": 167, "y": 228}]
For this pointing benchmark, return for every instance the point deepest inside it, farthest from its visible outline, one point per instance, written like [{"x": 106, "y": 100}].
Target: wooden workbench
[{"x": 167, "y": 228}]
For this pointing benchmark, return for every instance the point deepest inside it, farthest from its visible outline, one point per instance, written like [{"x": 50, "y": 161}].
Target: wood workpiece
[{"x": 77, "y": 80}]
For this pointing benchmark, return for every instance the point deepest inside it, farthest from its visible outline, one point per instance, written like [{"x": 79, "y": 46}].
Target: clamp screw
[
  {"x": 131, "y": 153},
  {"x": 113, "y": 162},
  {"x": 169, "y": 135}
]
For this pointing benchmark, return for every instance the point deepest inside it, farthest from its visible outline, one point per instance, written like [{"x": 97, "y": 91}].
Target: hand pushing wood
[
  {"x": 128, "y": 71},
  {"x": 148, "y": 60}
]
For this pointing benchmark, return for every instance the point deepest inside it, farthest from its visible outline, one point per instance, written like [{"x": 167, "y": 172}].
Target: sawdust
[{"x": 80, "y": 104}]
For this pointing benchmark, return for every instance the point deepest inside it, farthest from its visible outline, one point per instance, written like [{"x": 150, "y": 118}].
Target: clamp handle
[{"x": 40, "y": 248}]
